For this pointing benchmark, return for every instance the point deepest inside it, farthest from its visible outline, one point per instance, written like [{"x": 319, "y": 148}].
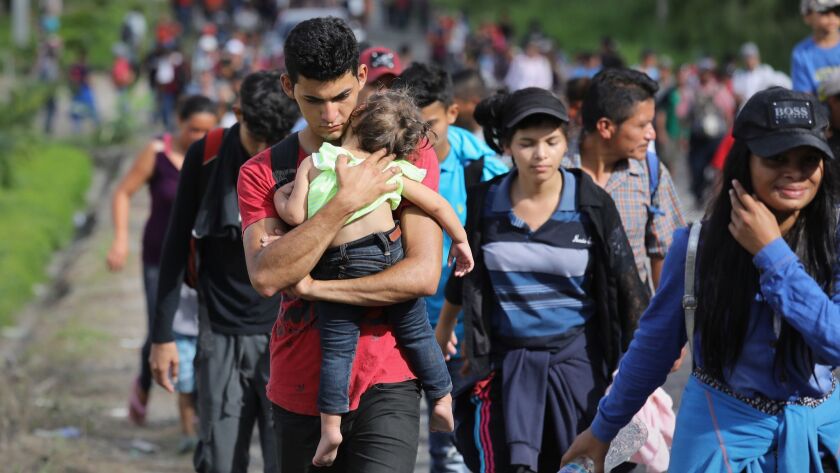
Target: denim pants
[{"x": 339, "y": 323}]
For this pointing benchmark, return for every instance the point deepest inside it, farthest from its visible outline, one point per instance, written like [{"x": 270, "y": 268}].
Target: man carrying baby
[{"x": 380, "y": 433}]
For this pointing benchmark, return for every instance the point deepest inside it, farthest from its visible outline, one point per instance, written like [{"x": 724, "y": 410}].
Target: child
[
  {"x": 815, "y": 57},
  {"x": 369, "y": 243}
]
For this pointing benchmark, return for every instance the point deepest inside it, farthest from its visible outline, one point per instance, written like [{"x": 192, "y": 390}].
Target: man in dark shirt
[{"x": 234, "y": 320}]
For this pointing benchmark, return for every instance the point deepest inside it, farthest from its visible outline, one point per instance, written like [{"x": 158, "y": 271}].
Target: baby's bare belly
[{"x": 380, "y": 220}]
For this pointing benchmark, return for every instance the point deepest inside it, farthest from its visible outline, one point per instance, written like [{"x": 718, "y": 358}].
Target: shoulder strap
[
  {"x": 212, "y": 144},
  {"x": 473, "y": 172},
  {"x": 689, "y": 301},
  {"x": 284, "y": 160},
  {"x": 652, "y": 161},
  {"x": 167, "y": 144}
]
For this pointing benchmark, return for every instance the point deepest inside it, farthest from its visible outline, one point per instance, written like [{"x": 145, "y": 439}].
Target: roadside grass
[{"x": 49, "y": 185}]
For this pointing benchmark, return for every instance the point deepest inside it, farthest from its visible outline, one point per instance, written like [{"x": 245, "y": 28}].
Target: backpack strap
[
  {"x": 284, "y": 160},
  {"x": 473, "y": 172},
  {"x": 689, "y": 300},
  {"x": 652, "y": 161},
  {"x": 212, "y": 144}
]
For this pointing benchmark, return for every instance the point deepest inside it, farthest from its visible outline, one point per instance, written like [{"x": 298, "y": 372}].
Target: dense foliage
[{"x": 682, "y": 29}]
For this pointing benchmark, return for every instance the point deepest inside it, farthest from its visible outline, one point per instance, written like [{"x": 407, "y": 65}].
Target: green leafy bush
[{"x": 36, "y": 215}]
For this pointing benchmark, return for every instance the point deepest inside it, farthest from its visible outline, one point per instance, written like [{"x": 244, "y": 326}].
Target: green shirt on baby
[{"x": 325, "y": 185}]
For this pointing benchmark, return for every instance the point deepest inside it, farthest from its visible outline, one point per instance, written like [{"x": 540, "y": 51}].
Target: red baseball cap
[{"x": 380, "y": 61}]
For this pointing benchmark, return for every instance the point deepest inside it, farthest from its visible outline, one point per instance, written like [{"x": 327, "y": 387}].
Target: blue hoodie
[{"x": 465, "y": 148}]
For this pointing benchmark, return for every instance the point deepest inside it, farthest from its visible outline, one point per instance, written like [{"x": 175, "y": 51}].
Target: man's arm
[
  {"x": 163, "y": 358},
  {"x": 288, "y": 260},
  {"x": 417, "y": 275},
  {"x": 176, "y": 244}
]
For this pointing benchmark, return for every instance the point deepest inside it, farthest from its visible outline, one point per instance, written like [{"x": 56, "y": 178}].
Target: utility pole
[
  {"x": 662, "y": 11},
  {"x": 20, "y": 23}
]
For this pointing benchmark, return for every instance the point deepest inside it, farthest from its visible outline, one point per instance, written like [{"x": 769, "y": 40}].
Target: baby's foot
[
  {"x": 441, "y": 419},
  {"x": 327, "y": 448}
]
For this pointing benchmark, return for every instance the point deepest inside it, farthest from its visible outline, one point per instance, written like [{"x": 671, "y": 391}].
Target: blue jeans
[{"x": 339, "y": 323}]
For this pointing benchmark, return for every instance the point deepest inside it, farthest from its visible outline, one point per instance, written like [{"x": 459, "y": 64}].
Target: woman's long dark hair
[{"x": 729, "y": 281}]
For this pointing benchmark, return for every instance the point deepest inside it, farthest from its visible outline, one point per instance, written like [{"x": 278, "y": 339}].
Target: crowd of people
[{"x": 338, "y": 230}]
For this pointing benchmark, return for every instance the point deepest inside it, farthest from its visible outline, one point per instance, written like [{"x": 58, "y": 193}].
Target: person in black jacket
[
  {"x": 553, "y": 300},
  {"x": 235, "y": 321}
]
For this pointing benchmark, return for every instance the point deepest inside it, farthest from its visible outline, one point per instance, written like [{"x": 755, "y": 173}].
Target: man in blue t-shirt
[
  {"x": 464, "y": 160},
  {"x": 818, "y": 55}
]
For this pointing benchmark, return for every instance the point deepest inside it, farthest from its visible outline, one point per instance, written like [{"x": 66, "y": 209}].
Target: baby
[{"x": 369, "y": 243}]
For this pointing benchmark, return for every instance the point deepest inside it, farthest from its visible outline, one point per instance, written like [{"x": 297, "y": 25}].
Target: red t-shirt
[{"x": 295, "y": 344}]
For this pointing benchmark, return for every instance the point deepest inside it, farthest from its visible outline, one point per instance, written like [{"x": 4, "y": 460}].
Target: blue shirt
[
  {"x": 464, "y": 148},
  {"x": 539, "y": 277},
  {"x": 811, "y": 64},
  {"x": 785, "y": 288}
]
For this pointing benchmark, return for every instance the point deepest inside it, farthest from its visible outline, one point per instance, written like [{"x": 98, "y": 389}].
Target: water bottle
[{"x": 579, "y": 465}]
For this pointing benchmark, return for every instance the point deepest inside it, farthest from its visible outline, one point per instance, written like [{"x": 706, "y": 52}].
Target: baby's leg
[
  {"x": 339, "y": 332},
  {"x": 330, "y": 440},
  {"x": 415, "y": 336}
]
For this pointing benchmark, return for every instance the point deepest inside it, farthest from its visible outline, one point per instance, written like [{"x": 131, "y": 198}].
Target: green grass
[
  {"x": 36, "y": 216},
  {"x": 80, "y": 340}
]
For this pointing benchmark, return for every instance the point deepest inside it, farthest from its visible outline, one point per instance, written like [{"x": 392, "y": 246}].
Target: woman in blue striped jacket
[{"x": 552, "y": 302}]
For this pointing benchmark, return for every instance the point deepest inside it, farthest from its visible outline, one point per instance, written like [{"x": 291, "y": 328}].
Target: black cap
[
  {"x": 777, "y": 119},
  {"x": 532, "y": 101}
]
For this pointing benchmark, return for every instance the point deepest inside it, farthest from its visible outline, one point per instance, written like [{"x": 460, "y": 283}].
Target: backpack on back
[{"x": 707, "y": 120}]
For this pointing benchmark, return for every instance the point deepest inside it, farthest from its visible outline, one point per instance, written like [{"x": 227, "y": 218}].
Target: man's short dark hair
[
  {"x": 613, "y": 94},
  {"x": 468, "y": 84},
  {"x": 427, "y": 84},
  {"x": 268, "y": 112},
  {"x": 321, "y": 49}
]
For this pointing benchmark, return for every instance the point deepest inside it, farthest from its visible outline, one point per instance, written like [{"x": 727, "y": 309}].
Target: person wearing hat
[
  {"x": 553, "y": 299},
  {"x": 383, "y": 66},
  {"x": 816, "y": 56},
  {"x": 755, "y": 76},
  {"x": 759, "y": 305}
]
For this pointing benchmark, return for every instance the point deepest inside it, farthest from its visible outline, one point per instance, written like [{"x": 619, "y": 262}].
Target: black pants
[
  {"x": 380, "y": 436},
  {"x": 701, "y": 150}
]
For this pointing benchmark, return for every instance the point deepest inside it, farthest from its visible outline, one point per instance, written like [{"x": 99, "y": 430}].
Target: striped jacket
[{"x": 620, "y": 296}]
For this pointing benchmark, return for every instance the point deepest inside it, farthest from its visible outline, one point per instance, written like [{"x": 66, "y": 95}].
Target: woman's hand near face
[{"x": 752, "y": 224}]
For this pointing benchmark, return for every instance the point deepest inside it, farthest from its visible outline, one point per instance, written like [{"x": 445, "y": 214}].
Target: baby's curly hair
[{"x": 391, "y": 120}]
